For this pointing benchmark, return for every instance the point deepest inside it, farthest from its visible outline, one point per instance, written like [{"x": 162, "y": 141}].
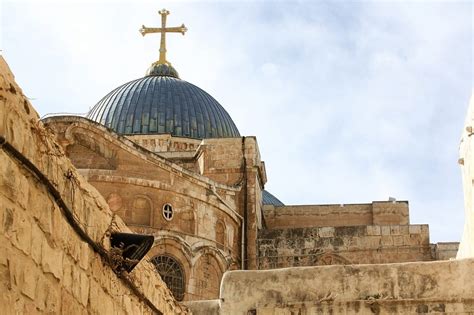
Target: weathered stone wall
[
  {"x": 372, "y": 244},
  {"x": 445, "y": 250},
  {"x": 165, "y": 143},
  {"x": 375, "y": 213},
  {"x": 46, "y": 266},
  {"x": 466, "y": 160},
  {"x": 425, "y": 287}
]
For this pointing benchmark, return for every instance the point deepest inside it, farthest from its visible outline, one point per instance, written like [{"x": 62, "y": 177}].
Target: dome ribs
[{"x": 163, "y": 105}]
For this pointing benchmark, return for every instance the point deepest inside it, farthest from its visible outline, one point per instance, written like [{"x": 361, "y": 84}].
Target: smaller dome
[
  {"x": 269, "y": 199},
  {"x": 165, "y": 70}
]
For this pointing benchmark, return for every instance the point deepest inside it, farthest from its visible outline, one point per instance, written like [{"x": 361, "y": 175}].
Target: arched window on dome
[{"x": 171, "y": 273}]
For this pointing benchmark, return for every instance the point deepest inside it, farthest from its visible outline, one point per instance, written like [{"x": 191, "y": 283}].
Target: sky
[{"x": 351, "y": 102}]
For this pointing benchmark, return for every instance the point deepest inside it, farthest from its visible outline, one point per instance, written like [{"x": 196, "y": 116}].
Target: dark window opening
[{"x": 171, "y": 273}]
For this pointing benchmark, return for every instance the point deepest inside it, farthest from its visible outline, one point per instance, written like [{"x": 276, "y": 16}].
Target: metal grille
[
  {"x": 171, "y": 273},
  {"x": 168, "y": 212}
]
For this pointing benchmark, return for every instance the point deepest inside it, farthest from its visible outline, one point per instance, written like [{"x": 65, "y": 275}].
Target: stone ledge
[{"x": 451, "y": 282}]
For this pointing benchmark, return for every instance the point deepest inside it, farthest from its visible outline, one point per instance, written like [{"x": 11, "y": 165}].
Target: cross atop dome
[{"x": 163, "y": 30}]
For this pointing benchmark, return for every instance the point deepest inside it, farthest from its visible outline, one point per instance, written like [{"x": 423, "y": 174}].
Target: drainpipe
[
  {"x": 244, "y": 222},
  {"x": 213, "y": 190}
]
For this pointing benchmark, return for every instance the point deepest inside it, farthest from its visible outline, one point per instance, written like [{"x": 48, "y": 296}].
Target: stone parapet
[
  {"x": 445, "y": 250},
  {"x": 445, "y": 287},
  {"x": 375, "y": 213}
]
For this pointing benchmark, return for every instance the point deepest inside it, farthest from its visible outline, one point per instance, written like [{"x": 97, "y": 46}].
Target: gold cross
[{"x": 163, "y": 30}]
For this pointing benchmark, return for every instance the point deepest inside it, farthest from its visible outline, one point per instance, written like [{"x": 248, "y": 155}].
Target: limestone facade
[
  {"x": 375, "y": 213},
  {"x": 375, "y": 233},
  {"x": 219, "y": 221},
  {"x": 55, "y": 227},
  {"x": 202, "y": 183}
]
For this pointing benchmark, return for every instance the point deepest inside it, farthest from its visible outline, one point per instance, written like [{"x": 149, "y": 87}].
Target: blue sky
[{"x": 350, "y": 101}]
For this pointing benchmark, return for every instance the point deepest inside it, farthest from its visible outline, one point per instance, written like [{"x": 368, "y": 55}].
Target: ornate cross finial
[{"x": 163, "y": 30}]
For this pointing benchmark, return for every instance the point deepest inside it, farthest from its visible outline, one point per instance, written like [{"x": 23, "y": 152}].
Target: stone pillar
[
  {"x": 253, "y": 191},
  {"x": 466, "y": 161}
]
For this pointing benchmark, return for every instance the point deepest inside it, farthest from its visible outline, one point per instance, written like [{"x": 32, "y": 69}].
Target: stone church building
[
  {"x": 170, "y": 161},
  {"x": 154, "y": 203}
]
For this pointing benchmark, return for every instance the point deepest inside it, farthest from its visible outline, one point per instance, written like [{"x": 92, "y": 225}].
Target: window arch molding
[{"x": 136, "y": 204}]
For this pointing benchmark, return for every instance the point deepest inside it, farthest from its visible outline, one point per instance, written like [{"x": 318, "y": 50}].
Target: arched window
[
  {"x": 208, "y": 277},
  {"x": 141, "y": 211},
  {"x": 171, "y": 273}
]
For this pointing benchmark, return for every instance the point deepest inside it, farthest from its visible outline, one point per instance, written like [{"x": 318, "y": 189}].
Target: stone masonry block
[
  {"x": 8, "y": 179},
  {"x": 69, "y": 305},
  {"x": 326, "y": 232},
  {"x": 80, "y": 286},
  {"x": 48, "y": 296},
  {"x": 373, "y": 230},
  {"x": 37, "y": 239},
  {"x": 385, "y": 230},
  {"x": 371, "y": 241},
  {"x": 127, "y": 305},
  {"x": 45, "y": 219},
  {"x": 84, "y": 257},
  {"x": 424, "y": 229},
  {"x": 387, "y": 240},
  {"x": 21, "y": 237},
  {"x": 404, "y": 230},
  {"x": 414, "y": 229},
  {"x": 30, "y": 308},
  {"x": 395, "y": 230},
  {"x": 67, "y": 279},
  {"x": 397, "y": 240},
  {"x": 23, "y": 193},
  {"x": 52, "y": 260},
  {"x": 5, "y": 249},
  {"x": 30, "y": 280},
  {"x": 415, "y": 239},
  {"x": 61, "y": 229}
]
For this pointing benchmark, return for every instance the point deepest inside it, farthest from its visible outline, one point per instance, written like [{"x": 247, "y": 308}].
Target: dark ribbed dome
[
  {"x": 161, "y": 103},
  {"x": 269, "y": 199}
]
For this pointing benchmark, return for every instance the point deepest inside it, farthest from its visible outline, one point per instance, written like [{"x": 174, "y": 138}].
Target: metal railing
[{"x": 62, "y": 114}]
